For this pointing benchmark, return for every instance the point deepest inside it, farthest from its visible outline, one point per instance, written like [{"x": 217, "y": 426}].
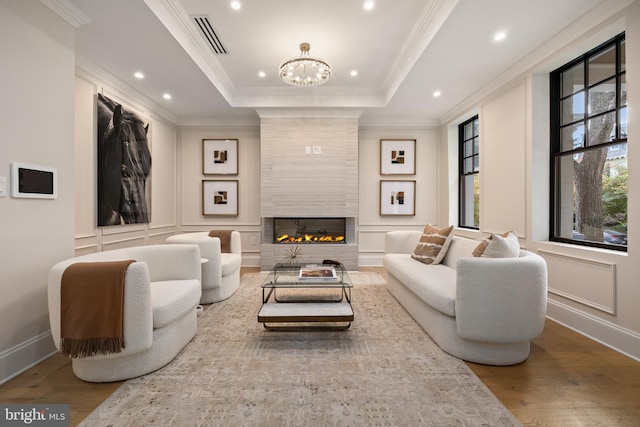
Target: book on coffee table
[{"x": 318, "y": 273}]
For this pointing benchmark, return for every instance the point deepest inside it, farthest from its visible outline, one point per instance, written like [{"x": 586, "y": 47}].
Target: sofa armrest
[
  {"x": 209, "y": 249},
  {"x": 138, "y": 316},
  {"x": 501, "y": 300},
  {"x": 401, "y": 241},
  {"x": 169, "y": 262},
  {"x": 236, "y": 243}
]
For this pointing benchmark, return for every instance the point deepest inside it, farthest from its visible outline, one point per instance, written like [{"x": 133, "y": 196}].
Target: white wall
[
  {"x": 51, "y": 121},
  {"x": 503, "y": 200},
  {"x": 594, "y": 291},
  {"x": 36, "y": 126},
  {"x": 190, "y": 175},
  {"x": 371, "y": 226}
]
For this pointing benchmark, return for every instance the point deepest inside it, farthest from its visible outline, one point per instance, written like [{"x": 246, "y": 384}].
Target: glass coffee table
[{"x": 317, "y": 297}]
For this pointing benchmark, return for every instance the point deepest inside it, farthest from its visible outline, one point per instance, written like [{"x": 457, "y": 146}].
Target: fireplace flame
[{"x": 309, "y": 238}]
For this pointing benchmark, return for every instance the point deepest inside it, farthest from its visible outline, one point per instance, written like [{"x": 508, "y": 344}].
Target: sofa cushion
[
  {"x": 433, "y": 284},
  {"x": 433, "y": 244},
  {"x": 460, "y": 247},
  {"x": 504, "y": 245},
  {"x": 170, "y": 299}
]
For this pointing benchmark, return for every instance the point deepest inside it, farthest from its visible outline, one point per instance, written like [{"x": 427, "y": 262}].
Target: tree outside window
[{"x": 589, "y": 148}]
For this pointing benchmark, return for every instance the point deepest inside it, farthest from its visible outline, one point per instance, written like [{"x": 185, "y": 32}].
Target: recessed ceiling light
[
  {"x": 235, "y": 5},
  {"x": 499, "y": 36},
  {"x": 262, "y": 74},
  {"x": 368, "y": 5},
  {"x": 138, "y": 75},
  {"x": 166, "y": 96},
  {"x": 437, "y": 93},
  {"x": 354, "y": 73}
]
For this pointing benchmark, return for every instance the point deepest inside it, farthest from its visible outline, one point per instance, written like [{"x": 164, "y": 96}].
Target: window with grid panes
[
  {"x": 469, "y": 192},
  {"x": 589, "y": 148}
]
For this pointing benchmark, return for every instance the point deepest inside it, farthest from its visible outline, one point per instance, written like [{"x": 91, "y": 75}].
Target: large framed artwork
[
  {"x": 398, "y": 198},
  {"x": 220, "y": 156},
  {"x": 124, "y": 165},
  {"x": 220, "y": 198},
  {"x": 397, "y": 157}
]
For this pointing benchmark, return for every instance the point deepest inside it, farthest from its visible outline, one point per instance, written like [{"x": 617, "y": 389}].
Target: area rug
[{"x": 383, "y": 371}]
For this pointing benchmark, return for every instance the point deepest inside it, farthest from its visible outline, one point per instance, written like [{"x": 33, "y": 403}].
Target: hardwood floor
[{"x": 568, "y": 380}]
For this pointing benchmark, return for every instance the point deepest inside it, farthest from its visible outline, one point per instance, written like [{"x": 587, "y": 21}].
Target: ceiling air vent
[{"x": 207, "y": 31}]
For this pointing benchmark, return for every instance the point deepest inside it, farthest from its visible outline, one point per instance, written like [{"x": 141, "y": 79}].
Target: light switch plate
[
  {"x": 3, "y": 186},
  {"x": 317, "y": 150}
]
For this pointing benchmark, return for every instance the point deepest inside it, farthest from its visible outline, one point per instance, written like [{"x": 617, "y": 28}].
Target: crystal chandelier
[{"x": 305, "y": 70}]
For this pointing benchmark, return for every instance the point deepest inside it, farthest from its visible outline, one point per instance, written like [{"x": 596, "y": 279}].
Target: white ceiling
[{"x": 403, "y": 51}]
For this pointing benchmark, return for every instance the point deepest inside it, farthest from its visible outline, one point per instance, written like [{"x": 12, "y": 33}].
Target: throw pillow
[
  {"x": 502, "y": 247},
  {"x": 479, "y": 250},
  {"x": 433, "y": 244}
]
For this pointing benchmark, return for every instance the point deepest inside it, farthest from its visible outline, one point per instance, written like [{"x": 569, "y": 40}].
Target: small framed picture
[
  {"x": 398, "y": 198},
  {"x": 220, "y": 157},
  {"x": 220, "y": 198},
  {"x": 397, "y": 157}
]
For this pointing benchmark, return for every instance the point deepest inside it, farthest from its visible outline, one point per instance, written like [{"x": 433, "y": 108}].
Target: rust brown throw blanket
[
  {"x": 92, "y": 308},
  {"x": 225, "y": 239}
]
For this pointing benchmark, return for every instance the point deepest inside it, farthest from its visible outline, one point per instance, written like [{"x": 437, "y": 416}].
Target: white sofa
[
  {"x": 221, "y": 272},
  {"x": 483, "y": 310},
  {"x": 162, "y": 290}
]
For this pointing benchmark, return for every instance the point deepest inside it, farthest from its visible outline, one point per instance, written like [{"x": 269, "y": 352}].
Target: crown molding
[
  {"x": 589, "y": 23},
  {"x": 310, "y": 112},
  {"x": 86, "y": 68},
  {"x": 398, "y": 124},
  {"x": 176, "y": 20},
  {"x": 68, "y": 11},
  {"x": 432, "y": 17},
  {"x": 333, "y": 97}
]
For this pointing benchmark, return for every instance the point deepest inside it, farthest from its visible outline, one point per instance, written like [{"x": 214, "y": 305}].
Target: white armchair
[
  {"x": 161, "y": 292},
  {"x": 221, "y": 271}
]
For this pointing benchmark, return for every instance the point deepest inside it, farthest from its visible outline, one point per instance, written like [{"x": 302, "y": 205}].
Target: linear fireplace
[
  {"x": 309, "y": 230},
  {"x": 339, "y": 242}
]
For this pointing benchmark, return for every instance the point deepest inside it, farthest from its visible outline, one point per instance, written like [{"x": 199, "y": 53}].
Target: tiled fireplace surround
[{"x": 295, "y": 184}]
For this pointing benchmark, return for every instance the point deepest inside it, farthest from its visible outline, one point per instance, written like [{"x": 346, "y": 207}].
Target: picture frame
[
  {"x": 220, "y": 157},
  {"x": 220, "y": 198},
  {"x": 397, "y": 157},
  {"x": 397, "y": 198}
]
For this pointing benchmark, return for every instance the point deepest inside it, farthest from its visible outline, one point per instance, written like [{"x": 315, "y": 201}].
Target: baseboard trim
[
  {"x": 25, "y": 355},
  {"x": 250, "y": 259},
  {"x": 615, "y": 337},
  {"x": 370, "y": 259}
]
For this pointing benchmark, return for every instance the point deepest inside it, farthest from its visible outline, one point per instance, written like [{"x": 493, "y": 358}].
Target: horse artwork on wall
[{"x": 124, "y": 165}]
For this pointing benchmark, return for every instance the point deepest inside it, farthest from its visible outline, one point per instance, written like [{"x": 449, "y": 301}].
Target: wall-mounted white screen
[{"x": 33, "y": 181}]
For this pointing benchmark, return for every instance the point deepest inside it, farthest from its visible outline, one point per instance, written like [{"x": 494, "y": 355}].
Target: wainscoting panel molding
[
  {"x": 86, "y": 249},
  {"x": 589, "y": 282},
  {"x": 123, "y": 243}
]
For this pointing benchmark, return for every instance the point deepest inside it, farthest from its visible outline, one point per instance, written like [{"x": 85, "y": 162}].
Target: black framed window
[
  {"x": 469, "y": 178},
  {"x": 589, "y": 148}
]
